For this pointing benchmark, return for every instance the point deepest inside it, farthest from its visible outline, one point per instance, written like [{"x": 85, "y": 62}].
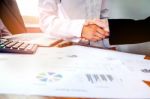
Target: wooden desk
[
  {"x": 147, "y": 57},
  {"x": 32, "y": 97}
]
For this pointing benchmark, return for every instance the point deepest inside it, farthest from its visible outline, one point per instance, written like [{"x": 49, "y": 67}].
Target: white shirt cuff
[{"x": 75, "y": 28}]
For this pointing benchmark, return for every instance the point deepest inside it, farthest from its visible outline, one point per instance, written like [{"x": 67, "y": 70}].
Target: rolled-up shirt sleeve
[
  {"x": 104, "y": 9},
  {"x": 58, "y": 26}
]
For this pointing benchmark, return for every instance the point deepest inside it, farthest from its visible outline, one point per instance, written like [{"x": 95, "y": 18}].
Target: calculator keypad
[{"x": 10, "y": 46}]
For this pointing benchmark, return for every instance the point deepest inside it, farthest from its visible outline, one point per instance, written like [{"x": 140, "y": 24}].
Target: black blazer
[
  {"x": 128, "y": 31},
  {"x": 10, "y": 15}
]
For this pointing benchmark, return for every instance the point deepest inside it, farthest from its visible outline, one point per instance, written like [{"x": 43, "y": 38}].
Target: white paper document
[{"x": 75, "y": 72}]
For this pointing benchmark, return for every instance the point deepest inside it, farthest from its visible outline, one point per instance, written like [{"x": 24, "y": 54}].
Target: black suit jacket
[
  {"x": 128, "y": 31},
  {"x": 10, "y": 15}
]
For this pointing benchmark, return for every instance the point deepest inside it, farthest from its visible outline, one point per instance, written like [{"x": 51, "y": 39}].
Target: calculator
[{"x": 20, "y": 47}]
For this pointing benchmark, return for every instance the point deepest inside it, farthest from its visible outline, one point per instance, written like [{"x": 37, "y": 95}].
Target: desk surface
[
  {"x": 147, "y": 57},
  {"x": 32, "y": 97},
  {"x": 71, "y": 60}
]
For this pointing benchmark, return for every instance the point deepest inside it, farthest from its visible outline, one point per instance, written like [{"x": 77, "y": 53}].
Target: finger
[
  {"x": 65, "y": 44},
  {"x": 99, "y": 35},
  {"x": 103, "y": 23},
  {"x": 102, "y": 32},
  {"x": 96, "y": 39},
  {"x": 56, "y": 42}
]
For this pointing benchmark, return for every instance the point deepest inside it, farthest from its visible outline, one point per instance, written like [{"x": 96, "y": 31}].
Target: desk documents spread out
[{"x": 75, "y": 71}]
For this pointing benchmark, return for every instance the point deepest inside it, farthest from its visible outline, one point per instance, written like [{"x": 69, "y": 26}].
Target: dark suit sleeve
[{"x": 128, "y": 31}]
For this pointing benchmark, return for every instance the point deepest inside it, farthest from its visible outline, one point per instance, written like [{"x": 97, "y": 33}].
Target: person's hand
[
  {"x": 94, "y": 30},
  {"x": 102, "y": 23}
]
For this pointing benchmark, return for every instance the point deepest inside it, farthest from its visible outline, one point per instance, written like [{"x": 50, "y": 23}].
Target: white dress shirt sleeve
[
  {"x": 104, "y": 9},
  {"x": 56, "y": 24}
]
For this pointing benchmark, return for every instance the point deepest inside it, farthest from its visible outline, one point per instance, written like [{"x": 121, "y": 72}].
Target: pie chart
[{"x": 49, "y": 77}]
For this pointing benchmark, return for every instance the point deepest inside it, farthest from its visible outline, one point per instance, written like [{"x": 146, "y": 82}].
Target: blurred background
[{"x": 136, "y": 9}]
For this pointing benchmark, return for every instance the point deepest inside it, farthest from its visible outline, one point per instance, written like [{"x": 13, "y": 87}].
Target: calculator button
[
  {"x": 23, "y": 46},
  {"x": 2, "y": 46},
  {"x": 11, "y": 44},
  {"x": 7, "y": 42},
  {"x": 34, "y": 47},
  {"x": 3, "y": 41},
  {"x": 29, "y": 47},
  {"x": 17, "y": 45}
]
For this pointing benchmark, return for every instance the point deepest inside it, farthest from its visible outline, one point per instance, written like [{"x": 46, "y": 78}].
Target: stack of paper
[{"x": 75, "y": 72}]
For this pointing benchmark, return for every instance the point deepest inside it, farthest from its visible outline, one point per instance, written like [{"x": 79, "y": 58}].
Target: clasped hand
[{"x": 95, "y": 30}]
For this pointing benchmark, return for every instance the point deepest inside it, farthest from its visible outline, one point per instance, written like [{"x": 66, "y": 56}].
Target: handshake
[{"x": 95, "y": 30}]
